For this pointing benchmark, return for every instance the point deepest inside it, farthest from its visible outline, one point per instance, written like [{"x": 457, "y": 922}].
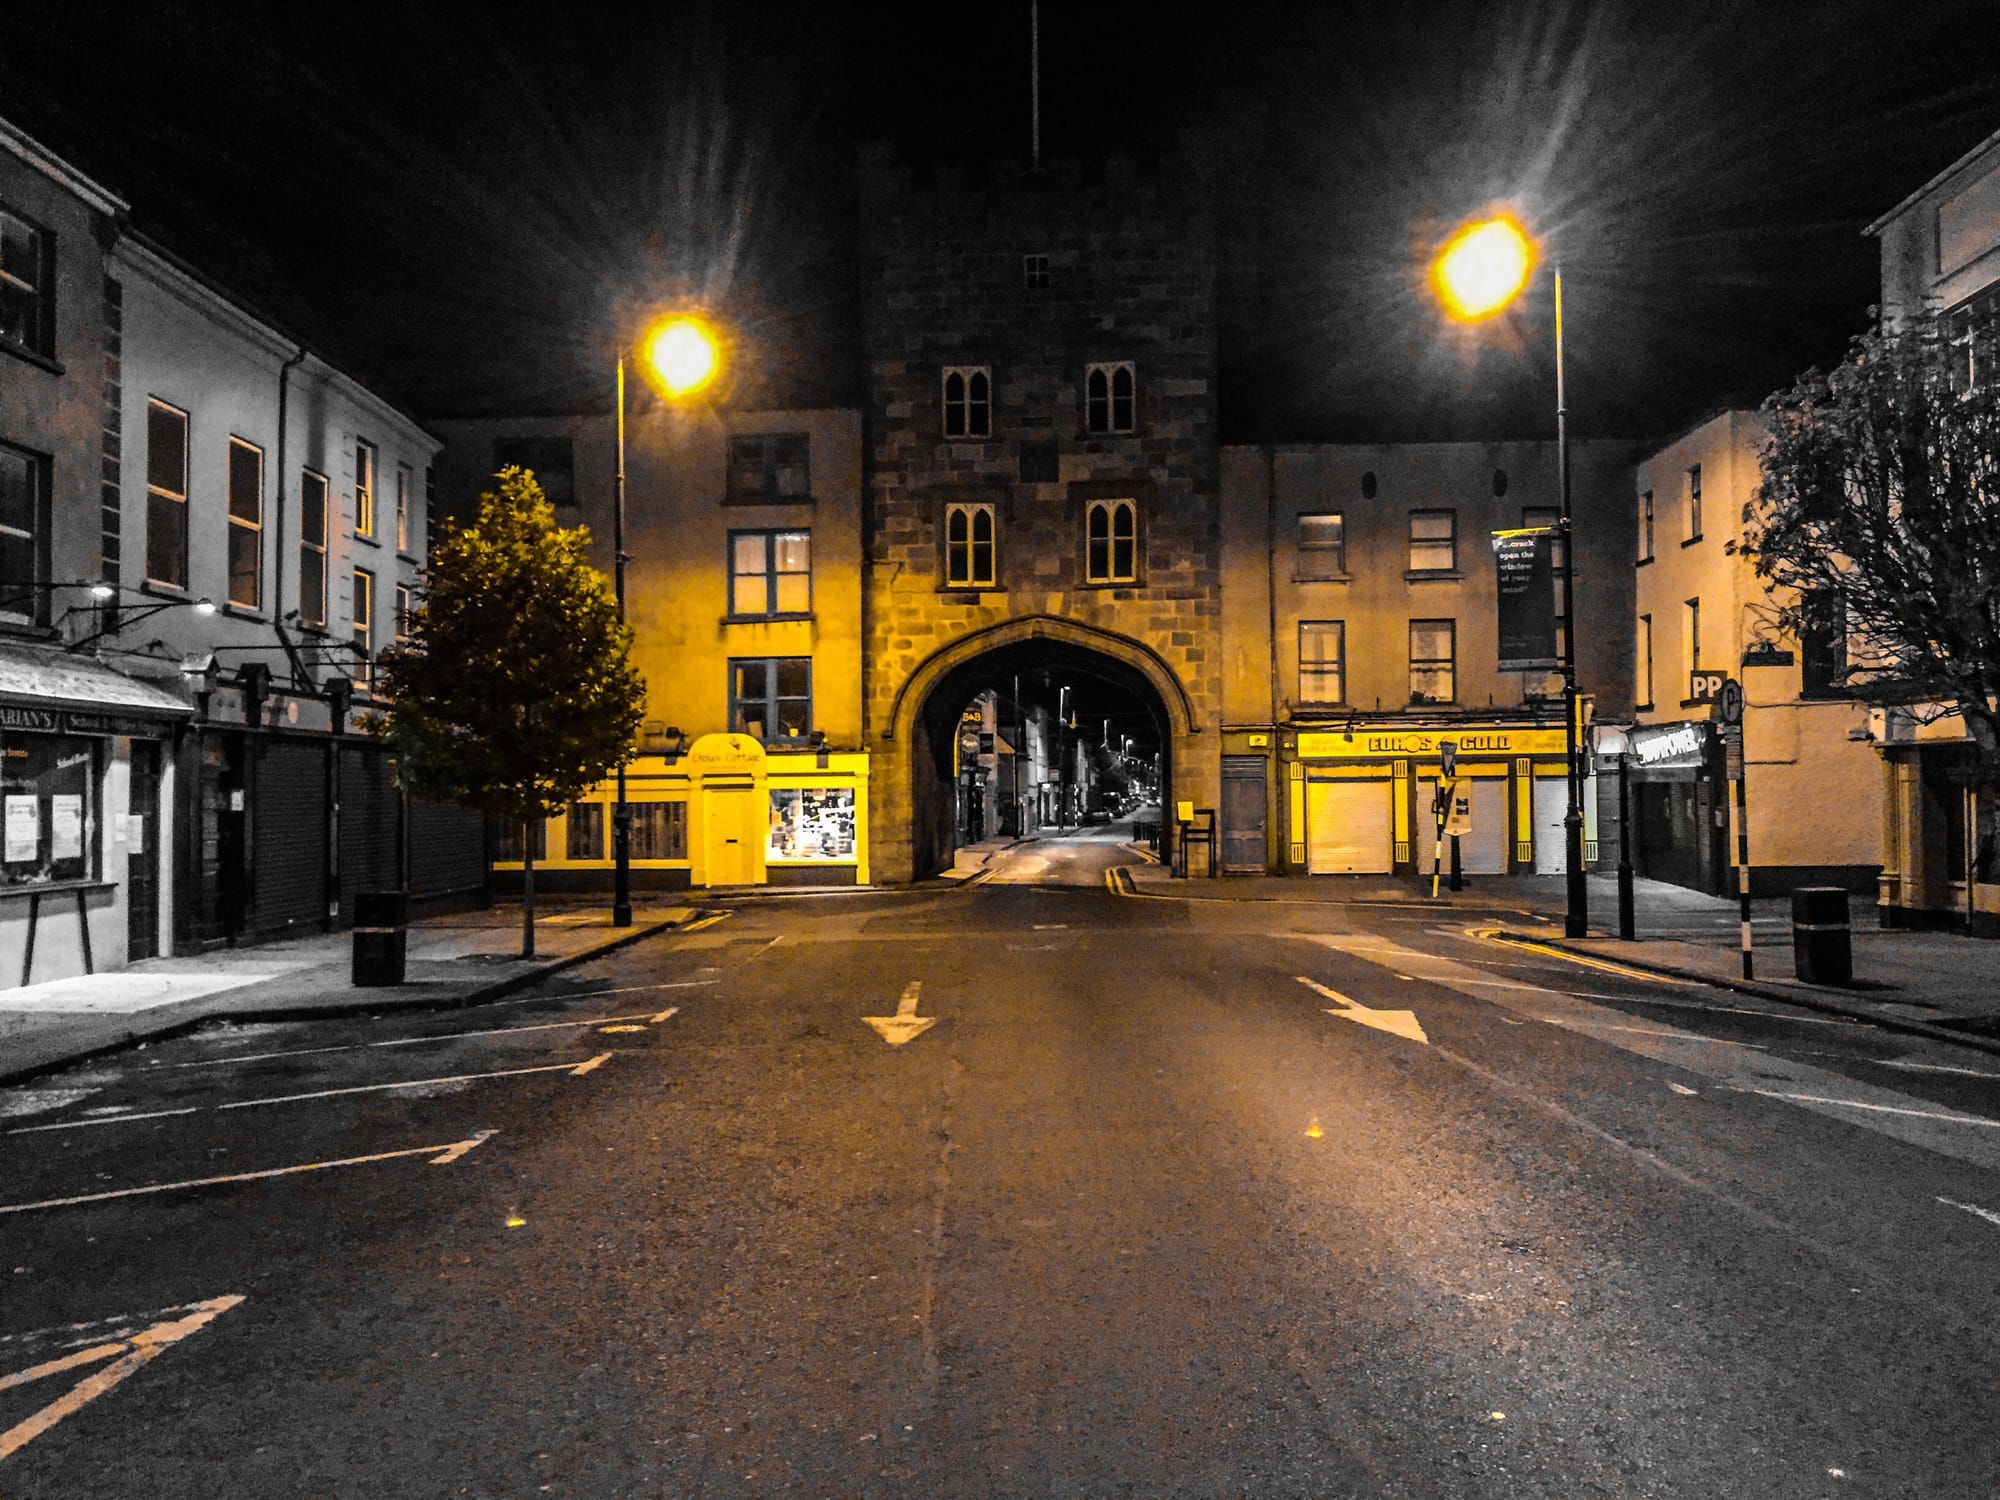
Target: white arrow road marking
[
  {"x": 441, "y": 1156},
  {"x": 1401, "y": 1023},
  {"x": 905, "y": 1025},
  {"x": 1973, "y": 1208},
  {"x": 575, "y": 1070},
  {"x": 130, "y": 1352},
  {"x": 414, "y": 1041}
]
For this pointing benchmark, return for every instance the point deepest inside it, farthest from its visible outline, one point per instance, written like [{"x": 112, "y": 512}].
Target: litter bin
[
  {"x": 381, "y": 938},
  {"x": 1822, "y": 948}
]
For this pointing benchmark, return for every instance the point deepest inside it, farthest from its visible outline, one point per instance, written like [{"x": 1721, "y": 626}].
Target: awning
[{"x": 38, "y": 681}]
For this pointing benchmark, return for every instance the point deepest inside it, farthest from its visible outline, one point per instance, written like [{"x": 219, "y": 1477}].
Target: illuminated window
[
  {"x": 1322, "y": 661},
  {"x": 1433, "y": 541},
  {"x": 1433, "y": 661},
  {"x": 364, "y": 627},
  {"x": 312, "y": 548},
  {"x": 1111, "y": 542},
  {"x": 770, "y": 573},
  {"x": 659, "y": 830},
  {"x": 771, "y": 698},
  {"x": 364, "y": 488},
  {"x": 24, "y": 534},
  {"x": 968, "y": 401},
  {"x": 402, "y": 507},
  {"x": 1322, "y": 545},
  {"x": 1109, "y": 404},
  {"x": 27, "y": 287},
  {"x": 246, "y": 525},
  {"x": 510, "y": 845},
  {"x": 770, "y": 468},
  {"x": 166, "y": 494},
  {"x": 970, "y": 555},
  {"x": 403, "y": 607}
]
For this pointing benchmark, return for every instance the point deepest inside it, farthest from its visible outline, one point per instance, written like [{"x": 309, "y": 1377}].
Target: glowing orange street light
[
  {"x": 683, "y": 354},
  {"x": 1482, "y": 268},
  {"x": 1477, "y": 273}
]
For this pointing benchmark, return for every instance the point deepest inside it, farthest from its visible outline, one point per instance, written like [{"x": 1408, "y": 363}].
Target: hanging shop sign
[
  {"x": 1525, "y": 563},
  {"x": 1395, "y": 744},
  {"x": 1673, "y": 746}
]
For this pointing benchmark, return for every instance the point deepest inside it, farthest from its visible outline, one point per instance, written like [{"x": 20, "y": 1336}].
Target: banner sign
[{"x": 1525, "y": 563}]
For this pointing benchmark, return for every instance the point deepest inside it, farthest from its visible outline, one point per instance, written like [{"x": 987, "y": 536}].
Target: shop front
[
  {"x": 1360, "y": 798},
  {"x": 728, "y": 812},
  {"x": 83, "y": 776},
  {"x": 1941, "y": 834},
  {"x": 1678, "y": 802}
]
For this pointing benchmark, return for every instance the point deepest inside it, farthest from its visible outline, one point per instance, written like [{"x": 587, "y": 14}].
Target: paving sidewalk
[
  {"x": 457, "y": 959},
  {"x": 1942, "y": 985}
]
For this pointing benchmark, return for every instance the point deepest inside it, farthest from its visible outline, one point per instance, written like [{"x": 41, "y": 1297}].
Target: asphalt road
[{"x": 1168, "y": 1199}]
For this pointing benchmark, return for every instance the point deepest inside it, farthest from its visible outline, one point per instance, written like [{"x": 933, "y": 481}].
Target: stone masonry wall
[{"x": 1132, "y": 276}]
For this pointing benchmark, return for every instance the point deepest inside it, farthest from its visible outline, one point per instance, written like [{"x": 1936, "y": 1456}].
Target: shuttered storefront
[
  {"x": 368, "y": 824},
  {"x": 1348, "y": 827},
  {"x": 447, "y": 855},
  {"x": 289, "y": 823}
]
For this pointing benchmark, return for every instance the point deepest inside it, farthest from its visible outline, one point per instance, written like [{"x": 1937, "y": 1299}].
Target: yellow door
[{"x": 733, "y": 830}]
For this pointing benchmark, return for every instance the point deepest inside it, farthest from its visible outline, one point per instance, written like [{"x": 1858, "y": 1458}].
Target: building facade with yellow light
[{"x": 743, "y": 590}]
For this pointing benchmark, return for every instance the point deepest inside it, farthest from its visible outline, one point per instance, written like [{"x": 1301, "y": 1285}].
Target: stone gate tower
[{"x": 1040, "y": 479}]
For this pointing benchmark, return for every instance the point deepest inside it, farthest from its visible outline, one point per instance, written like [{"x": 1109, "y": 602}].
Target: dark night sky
[{"x": 458, "y": 201}]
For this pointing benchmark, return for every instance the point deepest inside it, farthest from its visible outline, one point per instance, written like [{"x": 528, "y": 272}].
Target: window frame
[
  {"x": 1644, "y": 662},
  {"x": 404, "y": 475},
  {"x": 675, "y": 828},
  {"x": 1431, "y": 663},
  {"x": 765, "y": 455},
  {"x": 770, "y": 572},
  {"x": 578, "y": 817},
  {"x": 1691, "y": 632},
  {"x": 1101, "y": 409},
  {"x": 405, "y": 598},
  {"x": 1110, "y": 508},
  {"x": 39, "y": 341},
  {"x": 970, "y": 403},
  {"x": 367, "y": 468},
  {"x": 1338, "y": 629},
  {"x": 1450, "y": 541},
  {"x": 247, "y": 531},
  {"x": 364, "y": 627},
  {"x": 313, "y": 555},
  {"x": 972, "y": 512},
  {"x": 771, "y": 698},
  {"x": 1646, "y": 527},
  {"x": 164, "y": 501},
  {"x": 1693, "y": 505},
  {"x": 1302, "y": 549},
  {"x": 39, "y": 471}
]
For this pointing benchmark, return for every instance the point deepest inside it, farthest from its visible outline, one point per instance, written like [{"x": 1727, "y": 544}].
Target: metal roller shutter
[
  {"x": 289, "y": 836},
  {"x": 1484, "y": 850},
  {"x": 447, "y": 850},
  {"x": 367, "y": 824},
  {"x": 1348, "y": 828}
]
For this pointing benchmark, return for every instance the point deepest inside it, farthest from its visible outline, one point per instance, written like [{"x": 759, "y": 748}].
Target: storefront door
[
  {"x": 733, "y": 821},
  {"x": 142, "y": 853},
  {"x": 221, "y": 823},
  {"x": 1243, "y": 812}
]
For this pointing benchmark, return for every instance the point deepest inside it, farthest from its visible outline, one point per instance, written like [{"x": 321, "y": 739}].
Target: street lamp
[
  {"x": 681, "y": 356},
  {"x": 1477, "y": 274}
]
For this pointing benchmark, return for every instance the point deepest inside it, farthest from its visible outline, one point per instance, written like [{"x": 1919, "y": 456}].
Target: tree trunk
[{"x": 527, "y": 888}]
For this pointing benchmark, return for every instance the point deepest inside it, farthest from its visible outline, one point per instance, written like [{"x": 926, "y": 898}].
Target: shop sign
[
  {"x": 1369, "y": 744},
  {"x": 76, "y": 721},
  {"x": 726, "y": 752},
  {"x": 1684, "y": 744}
]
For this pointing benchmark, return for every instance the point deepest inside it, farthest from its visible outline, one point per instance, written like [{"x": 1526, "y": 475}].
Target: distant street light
[
  {"x": 1478, "y": 272},
  {"x": 682, "y": 354}
]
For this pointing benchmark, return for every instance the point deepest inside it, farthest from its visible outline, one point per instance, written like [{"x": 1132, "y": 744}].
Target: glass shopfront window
[
  {"x": 48, "y": 809},
  {"x": 812, "y": 823}
]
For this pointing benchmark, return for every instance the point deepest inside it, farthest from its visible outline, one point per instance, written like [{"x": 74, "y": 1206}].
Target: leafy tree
[
  {"x": 1880, "y": 510},
  {"x": 514, "y": 694}
]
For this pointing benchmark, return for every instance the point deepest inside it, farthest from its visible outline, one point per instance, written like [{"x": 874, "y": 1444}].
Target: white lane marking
[
  {"x": 1885, "y": 1109},
  {"x": 443, "y": 1154},
  {"x": 666, "y": 1015},
  {"x": 1923, "y": 1067},
  {"x": 1680, "y": 1088},
  {"x": 1679, "y": 1036},
  {"x": 1701, "y": 1005},
  {"x": 573, "y": 1069},
  {"x": 130, "y": 1353},
  {"x": 634, "y": 989},
  {"x": 1402, "y": 1023},
  {"x": 1052, "y": 927},
  {"x": 406, "y": 1041},
  {"x": 1973, "y": 1208}
]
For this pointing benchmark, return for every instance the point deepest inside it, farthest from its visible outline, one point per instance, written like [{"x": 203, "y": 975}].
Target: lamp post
[
  {"x": 1478, "y": 273},
  {"x": 680, "y": 353}
]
